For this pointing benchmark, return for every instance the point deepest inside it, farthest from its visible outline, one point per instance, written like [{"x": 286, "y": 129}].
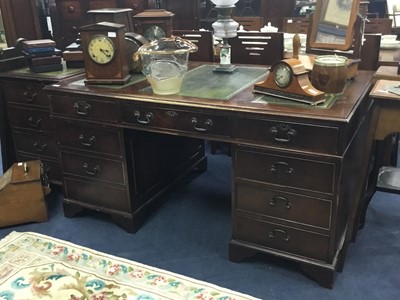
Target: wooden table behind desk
[
  {"x": 389, "y": 57},
  {"x": 387, "y": 72}
]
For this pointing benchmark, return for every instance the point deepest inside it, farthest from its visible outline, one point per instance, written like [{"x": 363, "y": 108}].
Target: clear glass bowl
[{"x": 165, "y": 63}]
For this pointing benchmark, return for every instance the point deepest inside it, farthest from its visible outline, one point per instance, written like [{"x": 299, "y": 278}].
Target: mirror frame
[
  {"x": 324, "y": 22},
  {"x": 20, "y": 20}
]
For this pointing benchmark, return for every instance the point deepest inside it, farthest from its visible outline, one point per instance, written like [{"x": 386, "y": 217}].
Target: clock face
[
  {"x": 101, "y": 49},
  {"x": 282, "y": 75},
  {"x": 154, "y": 32}
]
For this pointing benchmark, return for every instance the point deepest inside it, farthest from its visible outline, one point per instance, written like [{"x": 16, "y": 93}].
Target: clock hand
[{"x": 105, "y": 52}]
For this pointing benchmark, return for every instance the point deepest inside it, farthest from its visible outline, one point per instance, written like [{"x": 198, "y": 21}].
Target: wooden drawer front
[
  {"x": 284, "y": 134},
  {"x": 97, "y": 194},
  {"x": 181, "y": 120},
  {"x": 93, "y": 167},
  {"x": 37, "y": 120},
  {"x": 89, "y": 138},
  {"x": 305, "y": 174},
  {"x": 97, "y": 4},
  {"x": 85, "y": 109},
  {"x": 281, "y": 205},
  {"x": 137, "y": 5},
  {"x": 71, "y": 10},
  {"x": 25, "y": 93},
  {"x": 35, "y": 144},
  {"x": 70, "y": 30},
  {"x": 283, "y": 238},
  {"x": 50, "y": 167}
]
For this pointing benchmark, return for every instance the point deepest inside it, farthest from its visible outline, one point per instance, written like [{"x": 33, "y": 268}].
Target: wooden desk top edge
[{"x": 341, "y": 111}]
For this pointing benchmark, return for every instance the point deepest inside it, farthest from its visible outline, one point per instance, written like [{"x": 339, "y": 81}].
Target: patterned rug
[{"x": 35, "y": 266}]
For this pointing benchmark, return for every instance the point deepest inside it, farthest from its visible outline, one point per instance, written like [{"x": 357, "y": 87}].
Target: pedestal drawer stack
[
  {"x": 291, "y": 191},
  {"x": 28, "y": 114},
  {"x": 92, "y": 158},
  {"x": 118, "y": 171}
]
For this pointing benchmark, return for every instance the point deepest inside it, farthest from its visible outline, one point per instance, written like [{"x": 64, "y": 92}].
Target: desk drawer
[
  {"x": 285, "y": 134},
  {"x": 282, "y": 205},
  {"x": 93, "y": 167},
  {"x": 32, "y": 119},
  {"x": 97, "y": 194},
  {"x": 103, "y": 140},
  {"x": 283, "y": 238},
  {"x": 50, "y": 167},
  {"x": 35, "y": 144},
  {"x": 85, "y": 109},
  {"x": 70, "y": 29},
  {"x": 71, "y": 10},
  {"x": 25, "y": 93},
  {"x": 136, "y": 5},
  {"x": 180, "y": 120},
  {"x": 290, "y": 171}
]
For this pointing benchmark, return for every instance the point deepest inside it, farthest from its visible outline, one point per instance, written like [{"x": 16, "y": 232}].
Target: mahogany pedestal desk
[{"x": 297, "y": 170}]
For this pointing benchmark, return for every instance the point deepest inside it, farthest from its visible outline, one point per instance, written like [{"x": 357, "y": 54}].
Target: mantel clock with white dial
[
  {"x": 104, "y": 50},
  {"x": 289, "y": 79},
  {"x": 153, "y": 24}
]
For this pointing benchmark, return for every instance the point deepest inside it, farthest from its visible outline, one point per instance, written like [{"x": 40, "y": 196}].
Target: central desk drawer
[
  {"x": 85, "y": 109},
  {"x": 285, "y": 206},
  {"x": 287, "y": 135},
  {"x": 93, "y": 167},
  {"x": 104, "y": 140},
  {"x": 181, "y": 120},
  {"x": 283, "y": 238},
  {"x": 290, "y": 171}
]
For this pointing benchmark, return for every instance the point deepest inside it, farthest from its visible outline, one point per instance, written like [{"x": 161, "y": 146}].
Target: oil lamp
[{"x": 225, "y": 27}]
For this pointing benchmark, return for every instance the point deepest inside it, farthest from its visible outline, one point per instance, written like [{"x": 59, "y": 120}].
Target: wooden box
[
  {"x": 113, "y": 15},
  {"x": 250, "y": 23},
  {"x": 22, "y": 195}
]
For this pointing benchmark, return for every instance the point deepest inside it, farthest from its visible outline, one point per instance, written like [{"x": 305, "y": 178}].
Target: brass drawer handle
[
  {"x": 89, "y": 143},
  {"x": 275, "y": 199},
  {"x": 147, "y": 118},
  {"x": 274, "y": 232},
  {"x": 40, "y": 147},
  {"x": 283, "y": 133},
  {"x": 204, "y": 128},
  {"x": 281, "y": 166},
  {"x": 71, "y": 9},
  {"x": 30, "y": 97},
  {"x": 34, "y": 124},
  {"x": 94, "y": 171},
  {"x": 82, "y": 107}
]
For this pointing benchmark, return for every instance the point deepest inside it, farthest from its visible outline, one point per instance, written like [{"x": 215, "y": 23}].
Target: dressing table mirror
[
  {"x": 334, "y": 24},
  {"x": 21, "y": 19}
]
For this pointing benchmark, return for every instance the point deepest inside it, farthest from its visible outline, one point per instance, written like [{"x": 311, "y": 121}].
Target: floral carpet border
[{"x": 42, "y": 267}]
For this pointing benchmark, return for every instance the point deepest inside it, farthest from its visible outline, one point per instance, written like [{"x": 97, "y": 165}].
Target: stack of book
[{"x": 42, "y": 55}]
